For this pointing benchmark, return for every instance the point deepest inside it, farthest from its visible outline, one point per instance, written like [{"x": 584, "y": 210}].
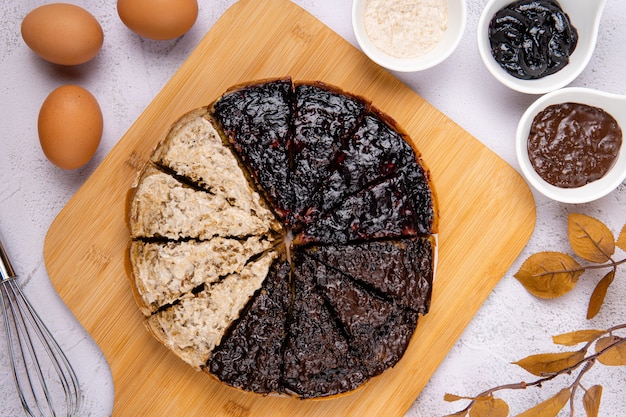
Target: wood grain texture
[{"x": 487, "y": 214}]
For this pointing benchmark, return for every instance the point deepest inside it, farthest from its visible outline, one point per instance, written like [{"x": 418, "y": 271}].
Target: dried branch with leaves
[{"x": 550, "y": 275}]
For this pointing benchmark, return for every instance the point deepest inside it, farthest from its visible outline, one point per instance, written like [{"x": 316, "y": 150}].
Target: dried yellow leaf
[
  {"x": 549, "y": 274},
  {"x": 599, "y": 293},
  {"x": 591, "y": 400},
  {"x": 452, "y": 397},
  {"x": 621, "y": 240},
  {"x": 549, "y": 363},
  {"x": 615, "y": 355},
  {"x": 492, "y": 407},
  {"x": 550, "y": 407},
  {"x": 590, "y": 238},
  {"x": 580, "y": 336}
]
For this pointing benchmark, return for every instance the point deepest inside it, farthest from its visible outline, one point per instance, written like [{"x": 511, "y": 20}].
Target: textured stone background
[{"x": 129, "y": 72}]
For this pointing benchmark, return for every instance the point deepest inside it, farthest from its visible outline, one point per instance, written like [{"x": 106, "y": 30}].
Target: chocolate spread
[{"x": 572, "y": 144}]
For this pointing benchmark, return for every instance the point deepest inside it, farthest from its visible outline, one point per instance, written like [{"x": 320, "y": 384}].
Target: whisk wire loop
[{"x": 39, "y": 366}]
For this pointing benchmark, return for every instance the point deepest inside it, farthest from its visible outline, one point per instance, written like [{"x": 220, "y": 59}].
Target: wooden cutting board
[{"x": 487, "y": 216}]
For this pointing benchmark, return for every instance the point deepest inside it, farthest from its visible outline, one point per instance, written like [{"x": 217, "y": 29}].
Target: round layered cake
[{"x": 282, "y": 239}]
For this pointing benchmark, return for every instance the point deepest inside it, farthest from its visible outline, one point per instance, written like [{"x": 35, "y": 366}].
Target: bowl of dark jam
[
  {"x": 538, "y": 46},
  {"x": 569, "y": 144}
]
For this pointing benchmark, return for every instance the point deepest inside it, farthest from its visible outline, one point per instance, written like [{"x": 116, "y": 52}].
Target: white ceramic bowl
[
  {"x": 584, "y": 16},
  {"x": 457, "y": 16},
  {"x": 613, "y": 104}
]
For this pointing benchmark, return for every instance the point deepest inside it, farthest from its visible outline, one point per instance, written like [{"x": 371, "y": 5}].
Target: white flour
[{"x": 406, "y": 28}]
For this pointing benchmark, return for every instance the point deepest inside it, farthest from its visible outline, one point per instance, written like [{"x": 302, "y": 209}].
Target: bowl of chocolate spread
[
  {"x": 538, "y": 46},
  {"x": 569, "y": 144}
]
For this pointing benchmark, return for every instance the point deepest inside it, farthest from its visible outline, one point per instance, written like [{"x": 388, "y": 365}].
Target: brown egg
[
  {"x": 158, "y": 19},
  {"x": 62, "y": 33},
  {"x": 70, "y": 126}
]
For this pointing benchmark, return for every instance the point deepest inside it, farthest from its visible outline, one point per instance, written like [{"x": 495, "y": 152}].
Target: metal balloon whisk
[{"x": 46, "y": 382}]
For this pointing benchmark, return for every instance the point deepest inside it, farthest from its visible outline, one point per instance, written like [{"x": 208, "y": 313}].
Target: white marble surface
[{"x": 130, "y": 71}]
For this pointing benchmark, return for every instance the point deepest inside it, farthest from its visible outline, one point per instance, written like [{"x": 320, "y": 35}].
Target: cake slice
[
  {"x": 376, "y": 150},
  {"x": 192, "y": 327},
  {"x": 400, "y": 206},
  {"x": 162, "y": 206},
  {"x": 378, "y": 330},
  {"x": 324, "y": 118},
  {"x": 401, "y": 270},
  {"x": 318, "y": 361},
  {"x": 256, "y": 119},
  {"x": 164, "y": 272}
]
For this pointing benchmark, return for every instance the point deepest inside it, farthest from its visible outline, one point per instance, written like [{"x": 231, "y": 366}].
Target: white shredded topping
[{"x": 406, "y": 28}]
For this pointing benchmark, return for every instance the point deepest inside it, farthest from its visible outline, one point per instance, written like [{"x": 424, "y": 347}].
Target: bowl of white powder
[{"x": 408, "y": 35}]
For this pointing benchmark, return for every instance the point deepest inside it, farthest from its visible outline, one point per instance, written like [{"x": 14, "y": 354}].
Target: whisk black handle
[{"x": 6, "y": 270}]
